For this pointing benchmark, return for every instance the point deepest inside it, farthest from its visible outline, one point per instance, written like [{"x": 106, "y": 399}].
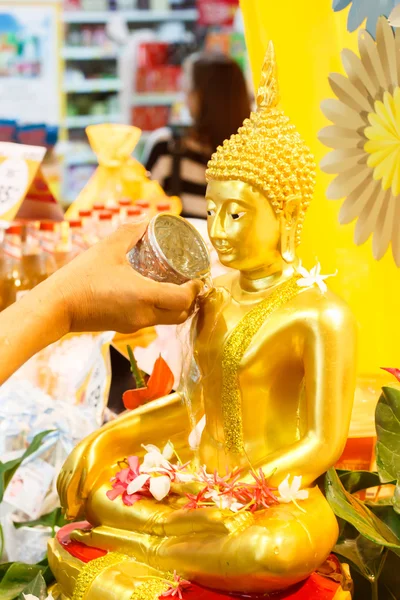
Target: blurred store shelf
[
  {"x": 158, "y": 99},
  {"x": 88, "y": 53},
  {"x": 82, "y": 121},
  {"x": 93, "y": 86},
  {"x": 132, "y": 16}
]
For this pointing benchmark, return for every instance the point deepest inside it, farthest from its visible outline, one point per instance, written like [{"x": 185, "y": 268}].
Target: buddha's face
[{"x": 242, "y": 226}]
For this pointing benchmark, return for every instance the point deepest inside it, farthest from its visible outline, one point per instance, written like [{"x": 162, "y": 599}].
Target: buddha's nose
[{"x": 217, "y": 229}]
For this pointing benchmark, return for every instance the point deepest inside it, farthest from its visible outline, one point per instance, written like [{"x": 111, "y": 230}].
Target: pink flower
[
  {"x": 176, "y": 587},
  {"x": 122, "y": 480}
]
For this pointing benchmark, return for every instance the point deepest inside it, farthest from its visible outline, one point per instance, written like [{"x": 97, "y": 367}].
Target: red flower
[
  {"x": 160, "y": 384},
  {"x": 392, "y": 371}
]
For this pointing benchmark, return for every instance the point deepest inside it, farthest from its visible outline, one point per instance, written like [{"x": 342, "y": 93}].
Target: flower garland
[{"x": 156, "y": 474}]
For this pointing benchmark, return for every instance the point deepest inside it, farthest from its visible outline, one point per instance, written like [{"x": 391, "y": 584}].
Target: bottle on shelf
[
  {"x": 116, "y": 216},
  {"x": 63, "y": 248},
  {"x": 46, "y": 246},
  {"x": 132, "y": 214},
  {"x": 78, "y": 242},
  {"x": 124, "y": 204},
  {"x": 98, "y": 207},
  {"x": 105, "y": 225},
  {"x": 144, "y": 205},
  {"x": 10, "y": 265},
  {"x": 36, "y": 264},
  {"x": 163, "y": 207},
  {"x": 88, "y": 226}
]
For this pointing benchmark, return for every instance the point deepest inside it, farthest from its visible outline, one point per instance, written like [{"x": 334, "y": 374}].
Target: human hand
[{"x": 101, "y": 291}]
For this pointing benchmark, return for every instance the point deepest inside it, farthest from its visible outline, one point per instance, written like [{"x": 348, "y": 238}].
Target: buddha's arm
[
  {"x": 91, "y": 462},
  {"x": 329, "y": 367}
]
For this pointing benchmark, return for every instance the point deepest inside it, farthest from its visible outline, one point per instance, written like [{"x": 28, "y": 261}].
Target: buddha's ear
[
  {"x": 289, "y": 217},
  {"x": 291, "y": 211}
]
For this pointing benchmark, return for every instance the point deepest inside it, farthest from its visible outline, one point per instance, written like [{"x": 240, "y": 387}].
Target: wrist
[{"x": 50, "y": 305}]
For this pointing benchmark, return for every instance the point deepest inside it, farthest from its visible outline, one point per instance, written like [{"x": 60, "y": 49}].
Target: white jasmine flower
[
  {"x": 160, "y": 486},
  {"x": 155, "y": 459},
  {"x": 32, "y": 597},
  {"x": 291, "y": 492},
  {"x": 313, "y": 277},
  {"x": 225, "y": 501}
]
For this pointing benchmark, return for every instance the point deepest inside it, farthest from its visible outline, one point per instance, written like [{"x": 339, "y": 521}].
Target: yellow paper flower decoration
[
  {"x": 365, "y": 137},
  {"x": 383, "y": 146}
]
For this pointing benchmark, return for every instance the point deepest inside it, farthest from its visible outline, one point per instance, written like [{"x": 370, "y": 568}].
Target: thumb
[{"x": 129, "y": 234}]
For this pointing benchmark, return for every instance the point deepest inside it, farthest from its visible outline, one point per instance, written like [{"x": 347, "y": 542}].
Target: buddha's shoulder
[{"x": 327, "y": 308}]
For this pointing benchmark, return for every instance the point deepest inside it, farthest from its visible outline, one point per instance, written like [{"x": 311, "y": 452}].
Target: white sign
[{"x": 29, "y": 62}]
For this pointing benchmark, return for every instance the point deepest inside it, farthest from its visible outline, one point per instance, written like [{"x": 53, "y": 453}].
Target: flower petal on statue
[
  {"x": 160, "y": 384},
  {"x": 161, "y": 380},
  {"x": 131, "y": 499},
  {"x": 302, "y": 495},
  {"x": 137, "y": 484},
  {"x": 115, "y": 492},
  {"x": 134, "y": 398},
  {"x": 134, "y": 463},
  {"x": 153, "y": 461},
  {"x": 196, "y": 433},
  {"x": 160, "y": 487},
  {"x": 284, "y": 490},
  {"x": 168, "y": 451},
  {"x": 151, "y": 448}
]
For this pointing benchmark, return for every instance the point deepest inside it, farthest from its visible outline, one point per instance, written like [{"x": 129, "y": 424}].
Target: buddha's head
[{"x": 260, "y": 184}]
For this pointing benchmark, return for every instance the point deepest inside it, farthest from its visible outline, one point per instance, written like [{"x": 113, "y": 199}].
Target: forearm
[
  {"x": 29, "y": 325},
  {"x": 307, "y": 457}
]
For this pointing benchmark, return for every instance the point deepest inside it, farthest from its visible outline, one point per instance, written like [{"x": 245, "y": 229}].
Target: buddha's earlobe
[{"x": 289, "y": 219}]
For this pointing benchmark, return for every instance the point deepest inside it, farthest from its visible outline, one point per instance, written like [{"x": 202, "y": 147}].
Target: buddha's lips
[{"x": 316, "y": 586}]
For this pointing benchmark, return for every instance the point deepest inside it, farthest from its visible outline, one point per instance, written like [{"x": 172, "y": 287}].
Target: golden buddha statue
[{"x": 276, "y": 358}]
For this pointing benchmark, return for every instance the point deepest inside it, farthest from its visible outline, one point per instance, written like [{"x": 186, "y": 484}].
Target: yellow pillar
[{"x": 308, "y": 38}]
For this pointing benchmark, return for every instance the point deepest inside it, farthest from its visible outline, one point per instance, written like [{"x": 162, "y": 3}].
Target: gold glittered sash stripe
[
  {"x": 233, "y": 352},
  {"x": 151, "y": 589},
  {"x": 92, "y": 570}
]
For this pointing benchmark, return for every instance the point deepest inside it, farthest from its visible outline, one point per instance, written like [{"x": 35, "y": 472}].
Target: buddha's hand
[
  {"x": 100, "y": 291},
  {"x": 72, "y": 480}
]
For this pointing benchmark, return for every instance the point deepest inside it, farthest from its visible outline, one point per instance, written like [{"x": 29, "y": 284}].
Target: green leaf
[
  {"x": 137, "y": 375},
  {"x": 352, "y": 510},
  {"x": 387, "y": 421},
  {"x": 8, "y": 469},
  {"x": 17, "y": 577},
  {"x": 355, "y": 481},
  {"x": 387, "y": 514},
  {"x": 52, "y": 519},
  {"x": 37, "y": 587},
  {"x": 365, "y": 556}
]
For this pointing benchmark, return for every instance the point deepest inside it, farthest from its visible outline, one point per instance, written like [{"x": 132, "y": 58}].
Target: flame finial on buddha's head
[{"x": 267, "y": 152}]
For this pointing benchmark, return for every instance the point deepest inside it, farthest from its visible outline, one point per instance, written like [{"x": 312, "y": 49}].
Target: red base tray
[{"x": 315, "y": 587}]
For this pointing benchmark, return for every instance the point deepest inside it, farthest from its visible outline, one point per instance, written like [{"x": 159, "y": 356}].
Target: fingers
[
  {"x": 168, "y": 296},
  {"x": 129, "y": 234},
  {"x": 169, "y": 317}
]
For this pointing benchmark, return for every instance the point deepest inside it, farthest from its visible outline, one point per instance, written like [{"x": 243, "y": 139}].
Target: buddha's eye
[{"x": 236, "y": 216}]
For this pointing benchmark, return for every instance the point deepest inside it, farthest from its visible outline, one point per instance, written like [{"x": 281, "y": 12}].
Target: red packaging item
[
  {"x": 149, "y": 118},
  {"x": 216, "y": 12},
  {"x": 166, "y": 78},
  {"x": 152, "y": 54}
]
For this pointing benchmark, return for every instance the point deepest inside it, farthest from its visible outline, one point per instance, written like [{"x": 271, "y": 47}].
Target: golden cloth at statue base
[{"x": 104, "y": 573}]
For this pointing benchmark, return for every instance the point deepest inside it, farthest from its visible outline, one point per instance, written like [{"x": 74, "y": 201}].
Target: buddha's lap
[{"x": 283, "y": 533}]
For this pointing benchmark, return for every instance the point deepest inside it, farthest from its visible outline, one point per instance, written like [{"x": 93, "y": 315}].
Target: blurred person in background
[{"x": 218, "y": 101}]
